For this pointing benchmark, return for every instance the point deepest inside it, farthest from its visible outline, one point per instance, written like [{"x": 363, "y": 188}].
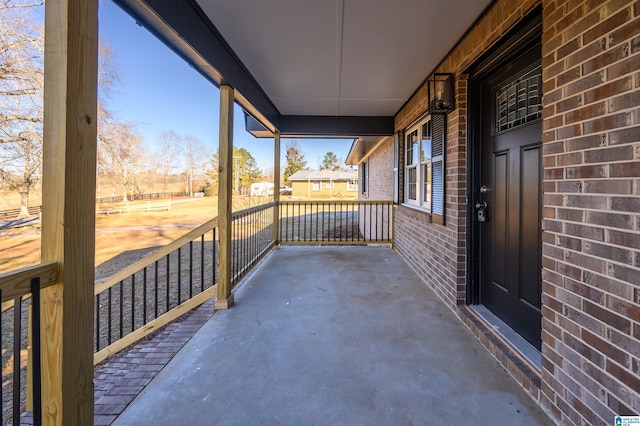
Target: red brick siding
[
  {"x": 591, "y": 242},
  {"x": 436, "y": 252},
  {"x": 444, "y": 247},
  {"x": 380, "y": 188},
  {"x": 431, "y": 250},
  {"x": 591, "y": 183}
]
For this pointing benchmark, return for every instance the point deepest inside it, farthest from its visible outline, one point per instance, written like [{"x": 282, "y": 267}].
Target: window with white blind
[{"x": 424, "y": 166}]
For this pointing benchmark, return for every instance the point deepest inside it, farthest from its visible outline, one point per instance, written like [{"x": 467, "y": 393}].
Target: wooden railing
[
  {"x": 21, "y": 388},
  {"x": 155, "y": 290},
  {"x": 175, "y": 279},
  {"x": 171, "y": 281},
  {"x": 14, "y": 213},
  {"x": 336, "y": 222}
]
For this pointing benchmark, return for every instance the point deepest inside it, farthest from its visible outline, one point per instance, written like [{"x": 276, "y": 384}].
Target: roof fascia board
[
  {"x": 185, "y": 29},
  {"x": 334, "y": 127},
  {"x": 361, "y": 149}
]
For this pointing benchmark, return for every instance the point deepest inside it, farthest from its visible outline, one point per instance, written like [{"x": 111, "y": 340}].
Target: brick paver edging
[{"x": 121, "y": 377}]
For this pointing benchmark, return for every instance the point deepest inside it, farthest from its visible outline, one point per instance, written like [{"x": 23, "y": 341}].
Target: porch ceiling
[{"x": 355, "y": 60}]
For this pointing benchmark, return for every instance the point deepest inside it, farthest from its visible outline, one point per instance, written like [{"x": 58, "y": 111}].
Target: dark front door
[{"x": 511, "y": 189}]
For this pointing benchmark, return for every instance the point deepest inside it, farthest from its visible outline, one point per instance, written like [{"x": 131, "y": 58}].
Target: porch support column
[
  {"x": 68, "y": 209},
  {"x": 276, "y": 188},
  {"x": 225, "y": 182}
]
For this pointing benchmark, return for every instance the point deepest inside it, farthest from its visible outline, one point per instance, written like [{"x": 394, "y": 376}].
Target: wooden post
[
  {"x": 68, "y": 209},
  {"x": 225, "y": 168},
  {"x": 276, "y": 188}
]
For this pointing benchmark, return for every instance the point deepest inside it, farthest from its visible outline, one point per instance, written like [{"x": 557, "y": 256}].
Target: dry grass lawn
[{"x": 136, "y": 233}]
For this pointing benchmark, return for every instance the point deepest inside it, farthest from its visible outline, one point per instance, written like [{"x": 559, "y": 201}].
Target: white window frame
[
  {"x": 418, "y": 157},
  {"x": 352, "y": 185},
  {"x": 316, "y": 185},
  {"x": 329, "y": 184}
]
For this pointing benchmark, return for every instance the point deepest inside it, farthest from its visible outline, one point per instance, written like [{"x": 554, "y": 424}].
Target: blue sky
[{"x": 159, "y": 91}]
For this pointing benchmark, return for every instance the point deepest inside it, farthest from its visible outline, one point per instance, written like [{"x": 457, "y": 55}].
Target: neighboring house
[{"x": 324, "y": 183}]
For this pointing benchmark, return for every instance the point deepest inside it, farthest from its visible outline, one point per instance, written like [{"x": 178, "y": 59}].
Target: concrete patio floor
[{"x": 333, "y": 336}]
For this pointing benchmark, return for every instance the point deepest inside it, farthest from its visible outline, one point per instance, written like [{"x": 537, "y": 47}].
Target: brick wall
[
  {"x": 436, "y": 252},
  {"x": 591, "y": 249},
  {"x": 591, "y": 212},
  {"x": 380, "y": 172},
  {"x": 380, "y": 188}
]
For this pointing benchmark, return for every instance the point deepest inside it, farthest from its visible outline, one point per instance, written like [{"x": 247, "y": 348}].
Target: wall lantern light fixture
[{"x": 440, "y": 92}]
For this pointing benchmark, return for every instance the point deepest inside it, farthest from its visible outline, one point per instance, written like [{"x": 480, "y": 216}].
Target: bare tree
[
  {"x": 120, "y": 153},
  {"x": 195, "y": 158},
  {"x": 21, "y": 89},
  {"x": 21, "y": 83},
  {"x": 171, "y": 148}
]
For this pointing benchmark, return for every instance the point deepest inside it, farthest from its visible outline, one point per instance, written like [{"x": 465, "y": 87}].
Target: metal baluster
[
  {"x": 179, "y": 275},
  {"x": 168, "y": 282},
  {"x": 110, "y": 312},
  {"x": 155, "y": 279},
  {"x": 36, "y": 356},
  {"x": 190, "y": 269},
  {"x": 336, "y": 221},
  {"x": 326, "y": 230},
  {"x": 234, "y": 248},
  {"x": 144, "y": 296},
  {"x": 97, "y": 322},
  {"x": 121, "y": 313},
  {"x": 342, "y": 214},
  {"x": 133, "y": 302},
  {"x": 318, "y": 219},
  {"x": 309, "y": 216},
  {"x": 370, "y": 221},
  {"x": 17, "y": 334},
  {"x": 202, "y": 262}
]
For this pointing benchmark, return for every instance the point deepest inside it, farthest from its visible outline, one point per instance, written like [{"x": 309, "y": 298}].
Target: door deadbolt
[{"x": 482, "y": 211}]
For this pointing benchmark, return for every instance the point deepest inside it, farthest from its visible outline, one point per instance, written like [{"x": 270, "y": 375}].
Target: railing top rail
[
  {"x": 18, "y": 283},
  {"x": 251, "y": 210},
  {"x": 156, "y": 255}
]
